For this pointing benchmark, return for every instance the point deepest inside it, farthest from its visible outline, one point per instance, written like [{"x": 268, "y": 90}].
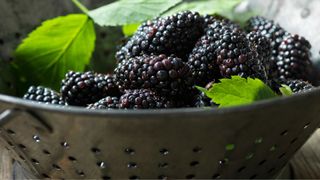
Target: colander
[{"x": 254, "y": 141}]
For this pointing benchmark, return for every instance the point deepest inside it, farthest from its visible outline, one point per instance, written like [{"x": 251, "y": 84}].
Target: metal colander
[{"x": 253, "y": 141}]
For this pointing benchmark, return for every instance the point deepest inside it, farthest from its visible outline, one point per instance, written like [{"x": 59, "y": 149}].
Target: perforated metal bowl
[{"x": 253, "y": 141}]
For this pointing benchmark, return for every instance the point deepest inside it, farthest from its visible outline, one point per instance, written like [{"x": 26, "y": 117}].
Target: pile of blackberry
[{"x": 162, "y": 62}]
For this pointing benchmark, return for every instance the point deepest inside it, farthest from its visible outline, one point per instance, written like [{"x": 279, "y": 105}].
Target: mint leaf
[
  {"x": 222, "y": 7},
  {"x": 129, "y": 30},
  {"x": 285, "y": 90},
  {"x": 238, "y": 91},
  {"x": 57, "y": 46},
  {"x": 125, "y": 12}
]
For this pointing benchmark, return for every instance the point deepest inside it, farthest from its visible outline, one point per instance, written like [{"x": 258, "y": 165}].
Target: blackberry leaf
[
  {"x": 125, "y": 12},
  {"x": 57, "y": 46},
  {"x": 238, "y": 91},
  {"x": 285, "y": 90}
]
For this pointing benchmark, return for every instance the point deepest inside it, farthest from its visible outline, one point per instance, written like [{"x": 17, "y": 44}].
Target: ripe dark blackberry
[
  {"x": 235, "y": 56},
  {"x": 165, "y": 75},
  {"x": 272, "y": 31},
  {"x": 105, "y": 103},
  {"x": 298, "y": 86},
  {"x": 143, "y": 99},
  {"x": 202, "y": 59},
  {"x": 201, "y": 100},
  {"x": 174, "y": 34},
  {"x": 81, "y": 89},
  {"x": 263, "y": 47},
  {"x": 210, "y": 19},
  {"x": 293, "y": 60},
  {"x": 43, "y": 95}
]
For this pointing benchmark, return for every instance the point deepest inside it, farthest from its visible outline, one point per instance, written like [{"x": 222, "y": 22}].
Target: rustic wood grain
[{"x": 5, "y": 164}]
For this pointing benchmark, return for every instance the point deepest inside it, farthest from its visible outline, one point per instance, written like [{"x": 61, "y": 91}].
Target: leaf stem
[{"x": 80, "y": 6}]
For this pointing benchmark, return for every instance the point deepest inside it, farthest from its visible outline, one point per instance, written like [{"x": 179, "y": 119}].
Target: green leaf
[
  {"x": 125, "y": 12},
  {"x": 57, "y": 46},
  {"x": 129, "y": 30},
  {"x": 285, "y": 90},
  {"x": 222, "y": 7},
  {"x": 238, "y": 91}
]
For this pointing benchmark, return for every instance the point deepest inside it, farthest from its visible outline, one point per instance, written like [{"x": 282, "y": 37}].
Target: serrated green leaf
[
  {"x": 125, "y": 12},
  {"x": 130, "y": 29},
  {"x": 57, "y": 46},
  {"x": 285, "y": 90},
  {"x": 222, "y": 7},
  {"x": 238, "y": 91}
]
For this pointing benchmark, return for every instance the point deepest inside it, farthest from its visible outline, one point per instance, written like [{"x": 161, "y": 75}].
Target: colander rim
[{"x": 20, "y": 103}]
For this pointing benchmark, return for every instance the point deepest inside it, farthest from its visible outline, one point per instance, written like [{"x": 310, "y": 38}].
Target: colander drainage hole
[
  {"x": 197, "y": 149},
  {"x": 281, "y": 156},
  {"x": 241, "y": 169},
  {"x": 10, "y": 144},
  {"x": 163, "y": 165},
  {"x": 46, "y": 152},
  {"x": 163, "y": 177},
  {"x": 80, "y": 173},
  {"x": 253, "y": 176},
  {"x": 101, "y": 164},
  {"x": 95, "y": 150},
  {"x": 134, "y": 177},
  {"x": 34, "y": 161},
  {"x": 190, "y": 176},
  {"x": 262, "y": 162},
  {"x": 293, "y": 140},
  {"x": 36, "y": 138},
  {"x": 56, "y": 167},
  {"x": 45, "y": 176},
  {"x": 10, "y": 132},
  {"x": 22, "y": 158},
  {"x": 72, "y": 159},
  {"x": 216, "y": 176},
  {"x": 271, "y": 170},
  {"x": 284, "y": 133},
  {"x": 306, "y": 126},
  {"x": 194, "y": 163},
  {"x": 1, "y": 42},
  {"x": 164, "y": 151},
  {"x": 23, "y": 147},
  {"x": 65, "y": 144},
  {"x": 129, "y": 151},
  {"x": 132, "y": 165},
  {"x": 103, "y": 35},
  {"x": 106, "y": 177}
]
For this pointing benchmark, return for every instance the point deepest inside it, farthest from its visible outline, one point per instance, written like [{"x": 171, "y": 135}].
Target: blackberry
[
  {"x": 298, "y": 86},
  {"x": 235, "y": 56},
  {"x": 293, "y": 60},
  {"x": 81, "y": 89},
  {"x": 165, "y": 75},
  {"x": 202, "y": 59},
  {"x": 143, "y": 99},
  {"x": 272, "y": 31},
  {"x": 43, "y": 95},
  {"x": 105, "y": 103},
  {"x": 201, "y": 100},
  {"x": 210, "y": 19},
  {"x": 174, "y": 34}
]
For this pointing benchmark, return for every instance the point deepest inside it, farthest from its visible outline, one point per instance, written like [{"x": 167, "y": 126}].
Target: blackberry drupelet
[
  {"x": 165, "y": 75},
  {"x": 43, "y": 95},
  {"x": 202, "y": 59},
  {"x": 143, "y": 99},
  {"x": 81, "y": 89},
  {"x": 293, "y": 60},
  {"x": 298, "y": 86},
  {"x": 201, "y": 100},
  {"x": 105, "y": 103},
  {"x": 235, "y": 56},
  {"x": 174, "y": 34}
]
